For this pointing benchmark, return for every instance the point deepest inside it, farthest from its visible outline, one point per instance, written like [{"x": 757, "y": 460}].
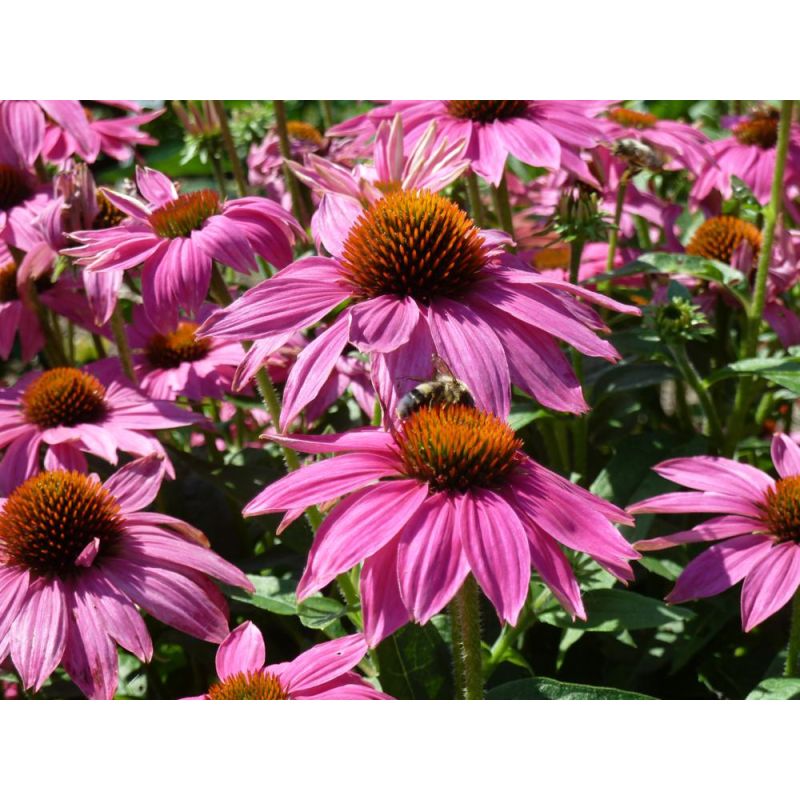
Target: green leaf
[
  {"x": 548, "y": 689},
  {"x": 625, "y": 377},
  {"x": 782, "y": 371},
  {"x": 276, "y": 595},
  {"x": 682, "y": 264},
  {"x": 776, "y": 689},
  {"x": 415, "y": 664},
  {"x": 617, "y": 610},
  {"x": 321, "y": 613}
]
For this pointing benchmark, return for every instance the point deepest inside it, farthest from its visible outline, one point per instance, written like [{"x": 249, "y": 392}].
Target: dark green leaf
[
  {"x": 776, "y": 689},
  {"x": 548, "y": 689}
]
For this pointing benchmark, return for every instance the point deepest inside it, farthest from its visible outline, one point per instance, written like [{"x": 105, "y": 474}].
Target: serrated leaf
[{"x": 548, "y": 689}]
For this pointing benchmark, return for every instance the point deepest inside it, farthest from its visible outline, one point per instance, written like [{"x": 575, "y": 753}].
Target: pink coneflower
[
  {"x": 423, "y": 279},
  {"x": 74, "y": 411},
  {"x": 543, "y": 133},
  {"x": 757, "y": 538},
  {"x": 322, "y": 673},
  {"x": 176, "y": 364},
  {"x": 684, "y": 145},
  {"x": 449, "y": 493},
  {"x": 176, "y": 237},
  {"x": 748, "y": 155},
  {"x": 431, "y": 164},
  {"x": 78, "y": 556}
]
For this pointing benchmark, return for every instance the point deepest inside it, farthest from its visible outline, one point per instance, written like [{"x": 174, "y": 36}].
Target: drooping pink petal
[
  {"x": 431, "y": 563},
  {"x": 383, "y": 323},
  {"x": 355, "y": 440},
  {"x": 720, "y": 567},
  {"x": 722, "y": 475},
  {"x": 346, "y": 687},
  {"x": 13, "y": 590},
  {"x": 708, "y": 531},
  {"x": 382, "y": 606},
  {"x": 529, "y": 142},
  {"x": 24, "y": 121},
  {"x": 696, "y": 502},
  {"x": 324, "y": 662},
  {"x": 242, "y": 650},
  {"x": 770, "y": 584},
  {"x": 785, "y": 456},
  {"x": 357, "y": 528},
  {"x": 497, "y": 550}
]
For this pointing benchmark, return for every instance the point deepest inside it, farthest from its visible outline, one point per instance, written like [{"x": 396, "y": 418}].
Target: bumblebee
[
  {"x": 639, "y": 155},
  {"x": 443, "y": 390}
]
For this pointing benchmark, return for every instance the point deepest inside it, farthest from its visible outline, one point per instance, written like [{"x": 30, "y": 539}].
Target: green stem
[
  {"x": 121, "y": 340},
  {"x": 475, "y": 204},
  {"x": 465, "y": 611},
  {"x": 691, "y": 376},
  {"x": 298, "y": 206},
  {"x": 218, "y": 289},
  {"x": 219, "y": 174},
  {"x": 793, "y": 649},
  {"x": 230, "y": 147},
  {"x": 643, "y": 233},
  {"x": 327, "y": 113},
  {"x": 580, "y": 428},
  {"x": 613, "y": 234},
  {"x": 502, "y": 206},
  {"x": 755, "y": 312}
]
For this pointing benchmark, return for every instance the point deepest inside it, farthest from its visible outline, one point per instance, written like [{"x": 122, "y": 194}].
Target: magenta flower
[
  {"x": 74, "y": 411},
  {"x": 322, "y": 673},
  {"x": 543, "y": 133},
  {"x": 431, "y": 164},
  {"x": 176, "y": 364},
  {"x": 756, "y": 538},
  {"x": 176, "y": 237},
  {"x": 448, "y": 494},
  {"x": 748, "y": 155},
  {"x": 422, "y": 279},
  {"x": 78, "y": 556},
  {"x": 684, "y": 145}
]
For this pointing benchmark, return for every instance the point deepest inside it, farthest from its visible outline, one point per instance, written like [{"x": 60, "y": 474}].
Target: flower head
[
  {"x": 322, "y": 673},
  {"x": 755, "y": 534},
  {"x": 447, "y": 493},
  {"x": 175, "y": 237},
  {"x": 78, "y": 556},
  {"x": 422, "y": 279}
]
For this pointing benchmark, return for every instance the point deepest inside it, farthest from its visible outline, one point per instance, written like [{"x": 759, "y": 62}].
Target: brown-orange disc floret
[
  {"x": 249, "y": 686},
  {"x": 413, "y": 244},
  {"x": 169, "y": 350},
  {"x": 760, "y": 128},
  {"x": 64, "y": 396},
  {"x": 782, "y": 514},
  {"x": 184, "y": 214},
  {"x": 48, "y": 521},
  {"x": 16, "y": 186},
  {"x": 304, "y": 132},
  {"x": 486, "y": 110},
  {"x": 640, "y": 120},
  {"x": 719, "y": 238},
  {"x": 456, "y": 447}
]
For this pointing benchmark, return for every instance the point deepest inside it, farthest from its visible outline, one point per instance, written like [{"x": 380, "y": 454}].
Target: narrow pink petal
[
  {"x": 785, "y": 456},
  {"x": 497, "y": 550},
  {"x": 24, "y": 121},
  {"x": 357, "y": 439},
  {"x": 383, "y": 323},
  {"x": 324, "y": 662},
  {"x": 713, "y": 474},
  {"x": 136, "y": 484},
  {"x": 323, "y": 480},
  {"x": 381, "y": 604},
  {"x": 242, "y": 650},
  {"x": 155, "y": 186},
  {"x": 69, "y": 114},
  {"x": 346, "y": 687},
  {"x": 555, "y": 571},
  {"x": 771, "y": 584},
  {"x": 13, "y": 590},
  {"x": 529, "y": 142},
  {"x": 720, "y": 567},
  {"x": 708, "y": 531},
  {"x": 430, "y": 558},
  {"x": 39, "y": 633},
  {"x": 696, "y": 502},
  {"x": 358, "y": 527},
  {"x": 127, "y": 204}
]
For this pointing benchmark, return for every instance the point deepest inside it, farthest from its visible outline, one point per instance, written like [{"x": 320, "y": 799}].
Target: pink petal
[
  {"x": 710, "y": 530},
  {"x": 13, "y": 590},
  {"x": 555, "y": 571},
  {"x": 383, "y": 323},
  {"x": 381, "y": 604},
  {"x": 154, "y": 186},
  {"x": 497, "y": 550},
  {"x": 712, "y": 474},
  {"x": 324, "y": 662},
  {"x": 357, "y": 439},
  {"x": 696, "y": 502},
  {"x": 136, "y": 484},
  {"x": 529, "y": 142},
  {"x": 430, "y": 558},
  {"x": 242, "y": 650},
  {"x": 771, "y": 584},
  {"x": 785, "y": 456},
  {"x": 24, "y": 121}
]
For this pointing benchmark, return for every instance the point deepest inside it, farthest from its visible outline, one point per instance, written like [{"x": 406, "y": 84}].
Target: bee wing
[{"x": 441, "y": 367}]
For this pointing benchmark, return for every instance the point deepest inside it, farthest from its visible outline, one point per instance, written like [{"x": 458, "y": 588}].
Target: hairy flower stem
[
  {"x": 467, "y": 658},
  {"x": 298, "y": 204},
  {"x": 793, "y": 649},
  {"x": 502, "y": 206},
  {"x": 121, "y": 340},
  {"x": 580, "y": 428},
  {"x": 475, "y": 204},
  {"x": 230, "y": 147},
  {"x": 691, "y": 376},
  {"x": 613, "y": 234},
  {"x": 755, "y": 312}
]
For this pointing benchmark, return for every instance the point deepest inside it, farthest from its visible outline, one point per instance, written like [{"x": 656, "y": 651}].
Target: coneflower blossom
[
  {"x": 322, "y": 673},
  {"x": 176, "y": 237},
  {"x": 422, "y": 279},
  {"x": 448, "y": 493},
  {"x": 755, "y": 537},
  {"x": 76, "y": 558},
  {"x": 543, "y": 133},
  {"x": 75, "y": 411},
  {"x": 431, "y": 164}
]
